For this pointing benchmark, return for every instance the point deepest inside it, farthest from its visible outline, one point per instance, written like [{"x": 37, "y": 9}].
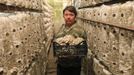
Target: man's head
[{"x": 69, "y": 14}]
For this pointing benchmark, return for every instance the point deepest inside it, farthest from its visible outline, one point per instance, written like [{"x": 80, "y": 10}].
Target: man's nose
[{"x": 68, "y": 17}]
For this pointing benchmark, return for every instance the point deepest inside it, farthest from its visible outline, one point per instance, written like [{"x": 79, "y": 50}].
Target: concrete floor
[{"x": 51, "y": 67}]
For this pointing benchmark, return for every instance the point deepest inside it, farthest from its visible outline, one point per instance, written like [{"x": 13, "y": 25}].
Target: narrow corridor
[{"x": 27, "y": 29}]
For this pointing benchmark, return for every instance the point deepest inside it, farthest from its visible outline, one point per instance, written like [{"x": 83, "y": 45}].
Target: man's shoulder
[{"x": 78, "y": 27}]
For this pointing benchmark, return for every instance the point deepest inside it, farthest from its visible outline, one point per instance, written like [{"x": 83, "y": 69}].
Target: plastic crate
[{"x": 70, "y": 50}]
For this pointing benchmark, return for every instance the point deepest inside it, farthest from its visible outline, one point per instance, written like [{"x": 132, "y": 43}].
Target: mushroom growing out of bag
[{"x": 69, "y": 39}]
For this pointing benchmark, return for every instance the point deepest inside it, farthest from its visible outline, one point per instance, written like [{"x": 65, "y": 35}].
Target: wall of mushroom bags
[
  {"x": 25, "y": 36},
  {"x": 110, "y": 29}
]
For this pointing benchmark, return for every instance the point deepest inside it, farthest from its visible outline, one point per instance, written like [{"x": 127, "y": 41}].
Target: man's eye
[
  {"x": 66, "y": 14},
  {"x": 71, "y": 15}
]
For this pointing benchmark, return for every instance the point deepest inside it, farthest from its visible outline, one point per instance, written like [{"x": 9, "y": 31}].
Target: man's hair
[{"x": 71, "y": 9}]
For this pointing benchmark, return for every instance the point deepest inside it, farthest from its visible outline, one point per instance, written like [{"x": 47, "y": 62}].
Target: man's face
[{"x": 69, "y": 17}]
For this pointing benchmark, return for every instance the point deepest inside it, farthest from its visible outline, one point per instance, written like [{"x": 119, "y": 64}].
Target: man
[{"x": 70, "y": 33}]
